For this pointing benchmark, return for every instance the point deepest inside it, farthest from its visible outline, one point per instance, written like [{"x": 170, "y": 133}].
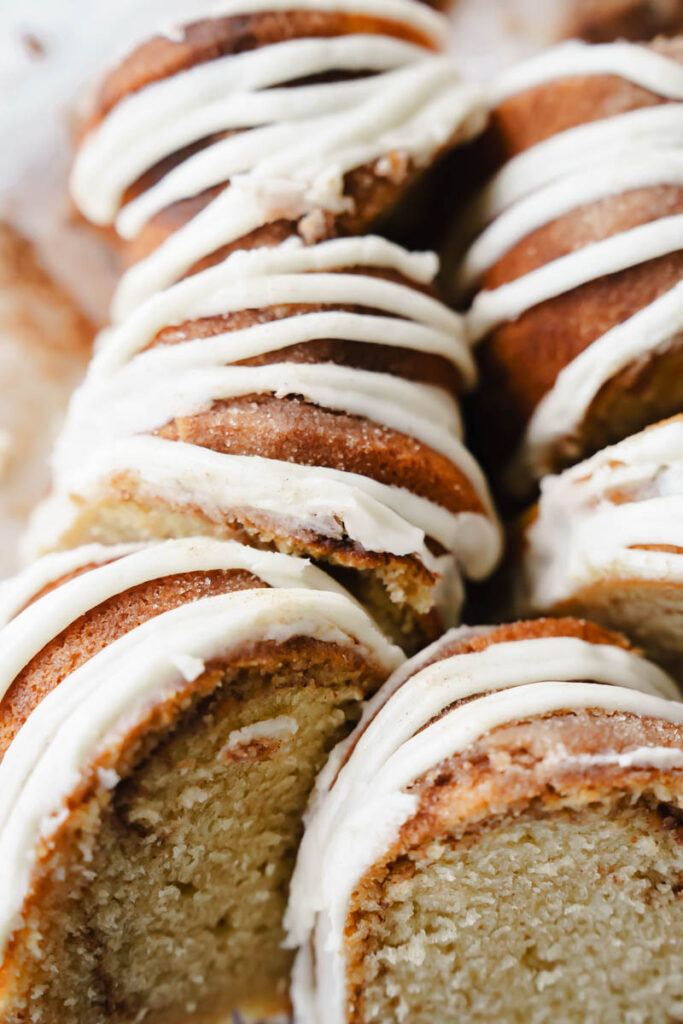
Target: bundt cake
[
  {"x": 163, "y": 711},
  {"x": 577, "y": 269},
  {"x": 606, "y": 541},
  {"x": 500, "y": 840}
]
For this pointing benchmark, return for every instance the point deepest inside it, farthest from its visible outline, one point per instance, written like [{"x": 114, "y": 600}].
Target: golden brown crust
[
  {"x": 582, "y": 226},
  {"x": 520, "y": 361},
  {"x": 208, "y": 39},
  {"x": 161, "y": 57},
  {"x": 373, "y": 198},
  {"x": 292, "y": 430},
  {"x": 533, "y": 629},
  {"x": 101, "y": 626},
  {"x": 528, "y": 629},
  {"x": 529, "y": 117},
  {"x": 373, "y": 194},
  {"x": 512, "y": 632},
  {"x": 397, "y": 589},
  {"x": 601, "y": 21},
  {"x": 516, "y": 764}
]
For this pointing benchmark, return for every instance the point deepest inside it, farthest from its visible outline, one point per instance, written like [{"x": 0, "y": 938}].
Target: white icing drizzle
[
  {"x": 361, "y": 804},
  {"x": 634, "y": 169},
  {"x": 330, "y": 502},
  {"x": 95, "y": 707},
  {"x": 296, "y": 274},
  {"x": 116, "y": 570},
  {"x": 125, "y": 406},
  {"x": 559, "y": 413},
  {"x": 607, "y": 157},
  {"x": 608, "y": 256},
  {"x": 227, "y": 93},
  {"x": 641, "y": 66},
  {"x": 601, "y": 535},
  {"x": 17, "y": 591},
  {"x": 288, "y": 156},
  {"x": 593, "y": 144}
]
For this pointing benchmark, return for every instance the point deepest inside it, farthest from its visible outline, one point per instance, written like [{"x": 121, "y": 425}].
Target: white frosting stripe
[
  {"x": 361, "y": 804},
  {"x": 608, "y": 256},
  {"x": 17, "y": 591},
  {"x": 651, "y": 330},
  {"x": 607, "y": 157},
  {"x": 129, "y": 392},
  {"x": 329, "y": 502},
  {"x": 602, "y": 538},
  {"x": 635, "y": 63},
  {"x": 124, "y": 567},
  {"x": 221, "y": 95},
  {"x": 124, "y": 405},
  {"x": 294, "y": 146},
  {"x": 632, "y": 170},
  {"x": 206, "y": 293},
  {"x": 291, "y": 149},
  {"x": 98, "y": 704}
]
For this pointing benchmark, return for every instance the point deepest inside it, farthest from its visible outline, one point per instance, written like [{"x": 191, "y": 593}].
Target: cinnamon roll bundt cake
[
  {"x": 163, "y": 711},
  {"x": 300, "y": 393},
  {"x": 577, "y": 271},
  {"x": 606, "y": 541},
  {"x": 500, "y": 840}
]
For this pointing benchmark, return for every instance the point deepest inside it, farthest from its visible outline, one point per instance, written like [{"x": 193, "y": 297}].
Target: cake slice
[
  {"x": 500, "y": 840},
  {"x": 164, "y": 709},
  {"x": 606, "y": 541}
]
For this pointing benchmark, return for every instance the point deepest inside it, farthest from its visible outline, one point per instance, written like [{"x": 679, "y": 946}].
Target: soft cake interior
[
  {"x": 165, "y": 898},
  {"x": 574, "y": 916}
]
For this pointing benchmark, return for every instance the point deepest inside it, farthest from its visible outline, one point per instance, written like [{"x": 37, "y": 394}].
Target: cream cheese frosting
[
  {"x": 92, "y": 710},
  {"x": 311, "y": 274},
  {"x": 362, "y": 798}
]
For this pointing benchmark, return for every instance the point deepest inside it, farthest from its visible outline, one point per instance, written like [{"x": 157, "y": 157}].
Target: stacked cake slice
[{"x": 280, "y": 384}]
